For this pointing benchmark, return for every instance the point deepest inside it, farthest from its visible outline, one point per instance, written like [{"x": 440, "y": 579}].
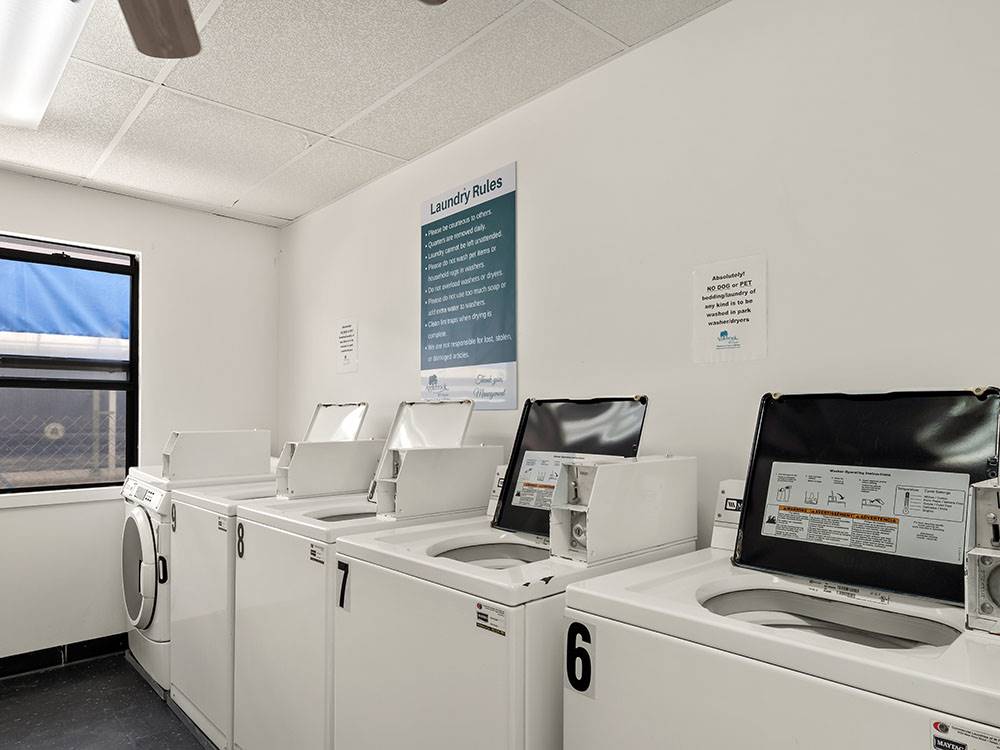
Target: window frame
[{"x": 54, "y": 253}]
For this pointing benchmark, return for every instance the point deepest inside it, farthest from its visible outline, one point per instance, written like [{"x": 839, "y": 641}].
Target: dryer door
[{"x": 139, "y": 568}]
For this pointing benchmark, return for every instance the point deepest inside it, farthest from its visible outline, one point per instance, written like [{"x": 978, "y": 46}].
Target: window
[{"x": 69, "y": 392}]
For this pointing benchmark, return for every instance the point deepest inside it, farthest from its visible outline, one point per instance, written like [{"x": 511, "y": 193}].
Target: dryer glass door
[{"x": 138, "y": 568}]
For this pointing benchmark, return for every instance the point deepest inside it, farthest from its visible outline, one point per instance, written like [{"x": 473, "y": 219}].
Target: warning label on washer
[
  {"x": 919, "y": 514},
  {"x": 947, "y": 735},
  {"x": 489, "y": 617},
  {"x": 540, "y": 471}
]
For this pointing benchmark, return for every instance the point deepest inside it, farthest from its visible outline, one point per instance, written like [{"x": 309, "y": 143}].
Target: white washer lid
[
  {"x": 336, "y": 422},
  {"x": 224, "y": 498}
]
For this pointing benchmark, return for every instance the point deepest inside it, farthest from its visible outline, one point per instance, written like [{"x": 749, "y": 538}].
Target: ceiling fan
[{"x": 162, "y": 28}]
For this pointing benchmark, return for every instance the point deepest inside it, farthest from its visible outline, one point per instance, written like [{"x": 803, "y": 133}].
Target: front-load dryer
[
  {"x": 449, "y": 635},
  {"x": 145, "y": 573},
  {"x": 840, "y": 623}
]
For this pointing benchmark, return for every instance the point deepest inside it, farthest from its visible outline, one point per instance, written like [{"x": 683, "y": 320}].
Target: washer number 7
[
  {"x": 580, "y": 651},
  {"x": 343, "y": 590}
]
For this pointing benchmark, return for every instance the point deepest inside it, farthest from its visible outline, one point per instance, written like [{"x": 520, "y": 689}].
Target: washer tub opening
[
  {"x": 345, "y": 517},
  {"x": 856, "y": 623},
  {"x": 496, "y": 556}
]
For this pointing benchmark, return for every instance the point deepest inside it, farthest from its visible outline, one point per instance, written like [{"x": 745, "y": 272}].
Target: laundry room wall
[
  {"x": 853, "y": 143},
  {"x": 208, "y": 292}
]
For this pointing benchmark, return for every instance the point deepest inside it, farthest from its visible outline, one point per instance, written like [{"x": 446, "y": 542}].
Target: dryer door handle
[{"x": 161, "y": 569}]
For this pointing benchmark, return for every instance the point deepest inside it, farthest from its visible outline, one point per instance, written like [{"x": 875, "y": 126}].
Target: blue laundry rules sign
[{"x": 468, "y": 303}]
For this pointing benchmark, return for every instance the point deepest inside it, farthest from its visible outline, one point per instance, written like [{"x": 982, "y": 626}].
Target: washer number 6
[{"x": 580, "y": 649}]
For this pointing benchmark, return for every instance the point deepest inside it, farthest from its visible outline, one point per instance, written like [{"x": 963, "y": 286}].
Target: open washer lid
[
  {"x": 600, "y": 426},
  {"x": 423, "y": 424},
  {"x": 868, "y": 490},
  {"x": 429, "y": 424},
  {"x": 139, "y": 568},
  {"x": 336, "y": 422}
]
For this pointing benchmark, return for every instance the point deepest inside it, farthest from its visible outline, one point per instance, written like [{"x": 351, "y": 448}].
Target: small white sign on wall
[
  {"x": 347, "y": 345},
  {"x": 730, "y": 310}
]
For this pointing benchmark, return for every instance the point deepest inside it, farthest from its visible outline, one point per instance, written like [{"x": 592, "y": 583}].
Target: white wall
[
  {"x": 208, "y": 301},
  {"x": 852, "y": 142},
  {"x": 208, "y": 291},
  {"x": 61, "y": 568}
]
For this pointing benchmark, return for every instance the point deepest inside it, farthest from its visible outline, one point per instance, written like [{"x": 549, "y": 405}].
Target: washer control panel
[
  {"x": 143, "y": 494},
  {"x": 982, "y": 565}
]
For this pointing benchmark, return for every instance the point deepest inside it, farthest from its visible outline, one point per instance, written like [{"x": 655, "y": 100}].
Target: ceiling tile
[
  {"x": 326, "y": 172},
  {"x": 192, "y": 149},
  {"x": 317, "y": 63},
  {"x": 528, "y": 53},
  {"x": 633, "y": 21},
  {"x": 106, "y": 40},
  {"x": 88, "y": 108}
]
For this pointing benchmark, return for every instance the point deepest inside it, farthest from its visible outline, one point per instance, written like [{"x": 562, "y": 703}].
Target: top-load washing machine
[
  {"x": 203, "y": 574},
  {"x": 449, "y": 635},
  {"x": 190, "y": 459},
  {"x": 836, "y": 623},
  {"x": 287, "y": 577}
]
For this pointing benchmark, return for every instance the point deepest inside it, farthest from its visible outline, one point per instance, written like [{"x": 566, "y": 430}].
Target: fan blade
[{"x": 162, "y": 28}]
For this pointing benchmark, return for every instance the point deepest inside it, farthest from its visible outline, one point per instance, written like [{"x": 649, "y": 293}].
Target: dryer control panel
[{"x": 143, "y": 494}]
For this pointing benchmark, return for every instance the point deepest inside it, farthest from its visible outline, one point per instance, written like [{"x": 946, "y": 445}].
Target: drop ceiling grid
[
  {"x": 427, "y": 70},
  {"x": 331, "y": 170},
  {"x": 209, "y": 10},
  {"x": 695, "y": 9},
  {"x": 703, "y": 6},
  {"x": 203, "y": 11},
  {"x": 637, "y": 21},
  {"x": 272, "y": 56},
  {"x": 84, "y": 114},
  {"x": 399, "y": 161},
  {"x": 483, "y": 36},
  {"x": 364, "y": 152},
  {"x": 536, "y": 50},
  {"x": 185, "y": 146}
]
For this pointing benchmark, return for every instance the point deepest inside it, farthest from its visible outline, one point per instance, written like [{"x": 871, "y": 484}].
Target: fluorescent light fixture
[{"x": 36, "y": 40}]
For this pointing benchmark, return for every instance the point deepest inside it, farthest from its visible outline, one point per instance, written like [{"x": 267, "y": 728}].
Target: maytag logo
[{"x": 940, "y": 743}]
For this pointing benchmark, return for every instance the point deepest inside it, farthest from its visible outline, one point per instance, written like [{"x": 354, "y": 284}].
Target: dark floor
[{"x": 100, "y": 704}]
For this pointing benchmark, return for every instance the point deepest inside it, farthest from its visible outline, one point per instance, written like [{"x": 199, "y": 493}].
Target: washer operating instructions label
[
  {"x": 918, "y": 514},
  {"x": 540, "y": 472}
]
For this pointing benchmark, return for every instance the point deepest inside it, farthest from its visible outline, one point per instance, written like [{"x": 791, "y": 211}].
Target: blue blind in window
[{"x": 37, "y": 298}]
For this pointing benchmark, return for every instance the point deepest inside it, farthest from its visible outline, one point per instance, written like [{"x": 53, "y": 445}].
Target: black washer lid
[
  {"x": 927, "y": 431},
  {"x": 601, "y": 426}
]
